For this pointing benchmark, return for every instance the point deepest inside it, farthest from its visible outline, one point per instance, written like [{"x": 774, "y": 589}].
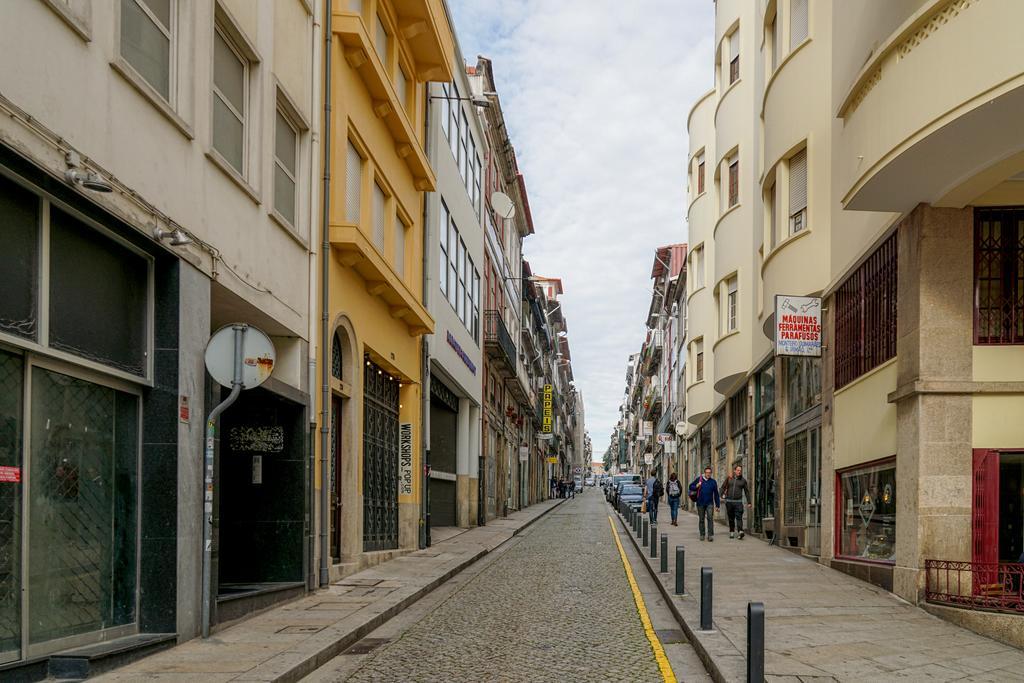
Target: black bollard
[
  {"x": 705, "y": 598},
  {"x": 664, "y": 553},
  {"x": 680, "y": 569},
  {"x": 639, "y": 525},
  {"x": 645, "y": 530},
  {"x": 654, "y": 540},
  {"x": 755, "y": 642}
]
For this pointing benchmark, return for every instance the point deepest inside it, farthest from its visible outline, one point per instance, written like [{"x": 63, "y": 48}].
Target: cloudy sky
[{"x": 596, "y": 93}]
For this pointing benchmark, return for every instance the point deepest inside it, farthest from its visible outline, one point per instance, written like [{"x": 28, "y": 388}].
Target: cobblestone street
[{"x": 555, "y": 606}]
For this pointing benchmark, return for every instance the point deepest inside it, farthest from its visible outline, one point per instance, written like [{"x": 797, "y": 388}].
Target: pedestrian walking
[
  {"x": 653, "y": 491},
  {"x": 734, "y": 491},
  {"x": 554, "y": 487},
  {"x": 675, "y": 492},
  {"x": 704, "y": 492}
]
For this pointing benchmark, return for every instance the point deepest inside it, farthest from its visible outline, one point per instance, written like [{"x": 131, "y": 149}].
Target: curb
[
  {"x": 709, "y": 661},
  {"x": 309, "y": 663}
]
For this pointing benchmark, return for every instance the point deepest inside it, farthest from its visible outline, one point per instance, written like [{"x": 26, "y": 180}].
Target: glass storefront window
[
  {"x": 803, "y": 384},
  {"x": 82, "y": 507},
  {"x": 765, "y": 394},
  {"x": 867, "y": 526},
  {"x": 19, "y": 260},
  {"x": 11, "y": 429}
]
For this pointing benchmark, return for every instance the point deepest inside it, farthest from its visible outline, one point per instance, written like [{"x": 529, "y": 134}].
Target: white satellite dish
[
  {"x": 680, "y": 428},
  {"x": 502, "y": 205},
  {"x": 258, "y": 356}
]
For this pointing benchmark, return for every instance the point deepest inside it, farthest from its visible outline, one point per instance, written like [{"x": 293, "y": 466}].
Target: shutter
[
  {"x": 378, "y": 217},
  {"x": 734, "y": 44},
  {"x": 798, "y": 182},
  {"x": 797, "y": 22},
  {"x": 400, "y": 229},
  {"x": 353, "y": 183}
]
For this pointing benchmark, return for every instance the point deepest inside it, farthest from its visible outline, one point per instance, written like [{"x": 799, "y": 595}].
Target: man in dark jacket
[
  {"x": 734, "y": 490},
  {"x": 706, "y": 489}
]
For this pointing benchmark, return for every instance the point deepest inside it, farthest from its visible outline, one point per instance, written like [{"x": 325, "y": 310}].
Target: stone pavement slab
[
  {"x": 289, "y": 641},
  {"x": 821, "y": 624}
]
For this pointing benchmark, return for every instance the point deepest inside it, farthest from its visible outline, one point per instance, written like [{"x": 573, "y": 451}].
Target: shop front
[
  {"x": 444, "y": 444},
  {"x": 865, "y": 537},
  {"x": 801, "y": 456}
]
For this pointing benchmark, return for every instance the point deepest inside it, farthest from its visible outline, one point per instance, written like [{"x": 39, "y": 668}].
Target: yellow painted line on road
[{"x": 659, "y": 652}]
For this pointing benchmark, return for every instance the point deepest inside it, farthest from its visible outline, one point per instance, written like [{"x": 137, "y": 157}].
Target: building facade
[
  {"x": 892, "y": 192},
  {"x": 142, "y": 190}
]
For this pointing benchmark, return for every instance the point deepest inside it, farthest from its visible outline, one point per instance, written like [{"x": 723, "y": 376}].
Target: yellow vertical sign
[{"x": 548, "y": 414}]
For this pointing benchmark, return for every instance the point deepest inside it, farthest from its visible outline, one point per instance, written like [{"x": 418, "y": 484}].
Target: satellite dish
[
  {"x": 502, "y": 205},
  {"x": 257, "y": 356},
  {"x": 680, "y": 428}
]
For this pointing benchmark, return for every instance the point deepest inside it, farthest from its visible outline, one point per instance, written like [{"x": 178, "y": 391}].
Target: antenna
[{"x": 502, "y": 205}]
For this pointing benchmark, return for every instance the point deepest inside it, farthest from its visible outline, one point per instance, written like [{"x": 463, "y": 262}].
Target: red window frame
[
  {"x": 866, "y": 315},
  {"x": 999, "y": 263}
]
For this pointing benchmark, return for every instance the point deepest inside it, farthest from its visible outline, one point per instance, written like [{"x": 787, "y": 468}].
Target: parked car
[
  {"x": 589, "y": 481},
  {"x": 614, "y": 481},
  {"x": 631, "y": 494}
]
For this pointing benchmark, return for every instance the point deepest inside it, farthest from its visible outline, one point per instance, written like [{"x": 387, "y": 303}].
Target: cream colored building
[
  {"x": 158, "y": 167},
  {"x": 885, "y": 166}
]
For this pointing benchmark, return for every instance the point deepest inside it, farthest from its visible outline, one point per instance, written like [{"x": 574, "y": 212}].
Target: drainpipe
[
  {"x": 425, "y": 355},
  {"x": 325, "y": 252}
]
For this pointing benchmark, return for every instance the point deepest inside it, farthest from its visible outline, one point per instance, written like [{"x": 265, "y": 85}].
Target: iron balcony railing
[
  {"x": 997, "y": 586},
  {"x": 498, "y": 342}
]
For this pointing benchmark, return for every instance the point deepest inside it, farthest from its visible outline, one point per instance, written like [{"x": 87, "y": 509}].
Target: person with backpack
[
  {"x": 653, "y": 491},
  {"x": 704, "y": 492},
  {"x": 675, "y": 492},
  {"x": 734, "y": 490}
]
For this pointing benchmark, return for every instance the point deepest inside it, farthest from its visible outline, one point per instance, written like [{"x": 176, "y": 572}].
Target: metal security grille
[
  {"x": 999, "y": 276},
  {"x": 795, "y": 503},
  {"x": 764, "y": 472},
  {"x": 336, "y": 366},
  {"x": 11, "y": 385},
  {"x": 866, "y": 315},
  {"x": 380, "y": 459}
]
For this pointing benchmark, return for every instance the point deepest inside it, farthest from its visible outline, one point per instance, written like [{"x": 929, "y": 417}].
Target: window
[
  {"x": 379, "y": 202},
  {"x": 866, "y": 315},
  {"x": 734, "y": 56},
  {"x": 446, "y": 111},
  {"x": 738, "y": 412},
  {"x": 453, "y": 125},
  {"x": 381, "y": 41},
  {"x": 764, "y": 396},
  {"x": 477, "y": 179},
  {"x": 442, "y": 231},
  {"x": 453, "y": 277},
  {"x": 773, "y": 43},
  {"x": 700, "y": 173},
  {"x": 475, "y": 328},
  {"x": 999, "y": 276},
  {"x": 697, "y": 267},
  {"x": 797, "y": 22},
  {"x": 798, "y": 192},
  {"x": 286, "y": 153},
  {"x": 401, "y": 230},
  {"x": 731, "y": 304},
  {"x": 402, "y": 86},
  {"x": 734, "y": 181},
  {"x": 698, "y": 355},
  {"x": 803, "y": 384},
  {"x": 773, "y": 213},
  {"x": 353, "y": 183},
  {"x": 468, "y": 318},
  {"x": 721, "y": 439},
  {"x": 20, "y": 212},
  {"x": 460, "y": 269},
  {"x": 867, "y": 524},
  {"x": 464, "y": 162},
  {"x": 230, "y": 96},
  {"x": 147, "y": 39}
]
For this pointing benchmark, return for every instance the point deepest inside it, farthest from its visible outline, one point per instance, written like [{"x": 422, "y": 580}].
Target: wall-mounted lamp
[
  {"x": 475, "y": 101},
  {"x": 76, "y": 175},
  {"x": 178, "y": 238}
]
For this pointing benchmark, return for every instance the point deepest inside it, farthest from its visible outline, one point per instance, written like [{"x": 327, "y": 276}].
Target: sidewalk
[
  {"x": 822, "y": 625},
  {"x": 288, "y": 642}
]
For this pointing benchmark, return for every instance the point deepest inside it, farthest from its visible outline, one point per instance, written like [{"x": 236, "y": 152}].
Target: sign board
[
  {"x": 405, "y": 459},
  {"x": 669, "y": 447},
  {"x": 553, "y": 459},
  {"x": 646, "y": 428},
  {"x": 524, "y": 453},
  {"x": 548, "y": 408},
  {"x": 256, "y": 439},
  {"x": 10, "y": 475},
  {"x": 665, "y": 437},
  {"x": 797, "y": 325},
  {"x": 183, "y": 409},
  {"x": 648, "y": 458},
  {"x": 577, "y": 470},
  {"x": 257, "y": 356}
]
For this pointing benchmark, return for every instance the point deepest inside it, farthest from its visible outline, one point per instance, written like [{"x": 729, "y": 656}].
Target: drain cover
[
  {"x": 667, "y": 636},
  {"x": 301, "y": 629},
  {"x": 366, "y": 645}
]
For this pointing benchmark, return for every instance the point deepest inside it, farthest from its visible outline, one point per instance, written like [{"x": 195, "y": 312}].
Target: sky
[{"x": 596, "y": 94}]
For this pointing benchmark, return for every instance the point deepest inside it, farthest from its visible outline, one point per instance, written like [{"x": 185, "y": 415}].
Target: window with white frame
[
  {"x": 797, "y": 22},
  {"x": 453, "y": 126},
  {"x": 453, "y": 273},
  {"x": 442, "y": 232},
  {"x": 353, "y": 183},
  {"x": 382, "y": 40},
  {"x": 286, "y": 167},
  {"x": 475, "y": 327},
  {"x": 464, "y": 145},
  {"x": 380, "y": 198},
  {"x": 401, "y": 231},
  {"x": 460, "y": 274},
  {"x": 467, "y": 318},
  {"x": 148, "y": 41},
  {"x": 798, "y": 192},
  {"x": 730, "y": 305},
  {"x": 698, "y": 360},
  {"x": 230, "y": 100},
  {"x": 696, "y": 274}
]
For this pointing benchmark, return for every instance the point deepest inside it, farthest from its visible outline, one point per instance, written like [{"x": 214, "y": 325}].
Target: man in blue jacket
[{"x": 706, "y": 489}]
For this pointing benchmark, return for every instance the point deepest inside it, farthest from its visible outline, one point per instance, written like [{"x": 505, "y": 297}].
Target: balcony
[
  {"x": 652, "y": 353},
  {"x": 652, "y": 397},
  {"x": 498, "y": 344},
  {"x": 520, "y": 386}
]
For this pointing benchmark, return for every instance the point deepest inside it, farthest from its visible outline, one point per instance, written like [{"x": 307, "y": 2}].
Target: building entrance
[{"x": 380, "y": 459}]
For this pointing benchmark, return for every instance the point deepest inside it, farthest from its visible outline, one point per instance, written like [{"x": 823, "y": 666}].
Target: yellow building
[{"x": 382, "y": 54}]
